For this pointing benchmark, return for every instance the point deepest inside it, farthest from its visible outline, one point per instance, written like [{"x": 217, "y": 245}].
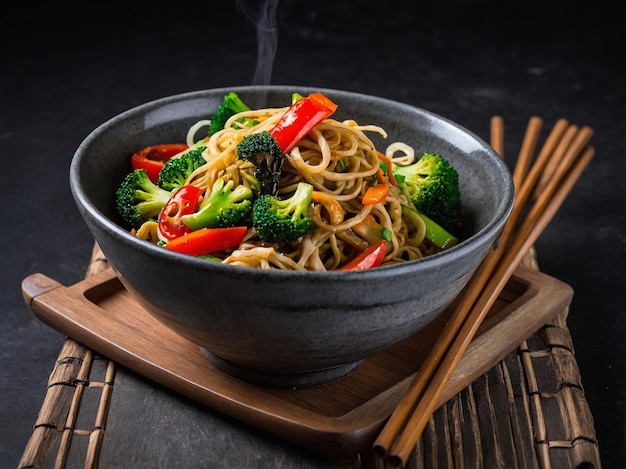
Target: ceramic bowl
[{"x": 286, "y": 328}]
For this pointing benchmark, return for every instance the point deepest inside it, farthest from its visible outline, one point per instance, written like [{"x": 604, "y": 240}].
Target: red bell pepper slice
[
  {"x": 153, "y": 158},
  {"x": 300, "y": 118},
  {"x": 207, "y": 240},
  {"x": 371, "y": 257},
  {"x": 182, "y": 202}
]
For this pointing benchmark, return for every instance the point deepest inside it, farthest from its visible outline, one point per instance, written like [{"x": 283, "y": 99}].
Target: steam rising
[{"x": 267, "y": 38}]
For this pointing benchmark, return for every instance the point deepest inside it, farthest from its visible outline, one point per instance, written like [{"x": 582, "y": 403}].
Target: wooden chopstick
[
  {"x": 552, "y": 150},
  {"x": 497, "y": 134},
  {"x": 398, "y": 437},
  {"x": 426, "y": 406},
  {"x": 401, "y": 450},
  {"x": 576, "y": 139},
  {"x": 472, "y": 291},
  {"x": 525, "y": 157}
]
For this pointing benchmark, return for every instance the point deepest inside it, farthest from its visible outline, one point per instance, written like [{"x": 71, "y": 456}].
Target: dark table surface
[{"x": 65, "y": 72}]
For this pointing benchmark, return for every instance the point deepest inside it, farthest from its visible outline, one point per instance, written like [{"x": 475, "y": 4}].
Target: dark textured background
[{"x": 66, "y": 71}]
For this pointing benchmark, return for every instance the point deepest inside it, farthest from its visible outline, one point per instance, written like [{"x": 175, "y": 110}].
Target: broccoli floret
[
  {"x": 231, "y": 105},
  {"x": 138, "y": 199},
  {"x": 222, "y": 207},
  {"x": 176, "y": 170},
  {"x": 279, "y": 220},
  {"x": 262, "y": 150},
  {"x": 432, "y": 184}
]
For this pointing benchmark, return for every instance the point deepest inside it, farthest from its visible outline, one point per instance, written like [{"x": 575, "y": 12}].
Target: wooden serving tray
[{"x": 337, "y": 420}]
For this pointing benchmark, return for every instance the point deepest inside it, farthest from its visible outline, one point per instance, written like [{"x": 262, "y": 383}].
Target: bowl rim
[{"x": 88, "y": 209}]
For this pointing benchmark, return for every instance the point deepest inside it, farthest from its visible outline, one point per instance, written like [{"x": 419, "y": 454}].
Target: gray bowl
[{"x": 280, "y": 328}]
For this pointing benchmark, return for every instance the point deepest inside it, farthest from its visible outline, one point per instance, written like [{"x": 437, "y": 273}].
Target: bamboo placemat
[{"x": 529, "y": 411}]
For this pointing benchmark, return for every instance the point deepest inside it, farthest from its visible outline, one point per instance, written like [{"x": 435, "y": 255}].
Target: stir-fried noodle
[{"x": 339, "y": 160}]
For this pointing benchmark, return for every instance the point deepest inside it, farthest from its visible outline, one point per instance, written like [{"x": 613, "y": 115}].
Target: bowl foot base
[{"x": 297, "y": 380}]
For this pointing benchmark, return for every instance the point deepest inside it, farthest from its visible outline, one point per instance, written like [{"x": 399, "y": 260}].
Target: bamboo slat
[
  {"x": 60, "y": 437},
  {"x": 529, "y": 411}
]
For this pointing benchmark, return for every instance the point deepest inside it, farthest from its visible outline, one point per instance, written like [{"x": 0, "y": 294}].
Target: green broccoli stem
[
  {"x": 297, "y": 205},
  {"x": 435, "y": 233}
]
